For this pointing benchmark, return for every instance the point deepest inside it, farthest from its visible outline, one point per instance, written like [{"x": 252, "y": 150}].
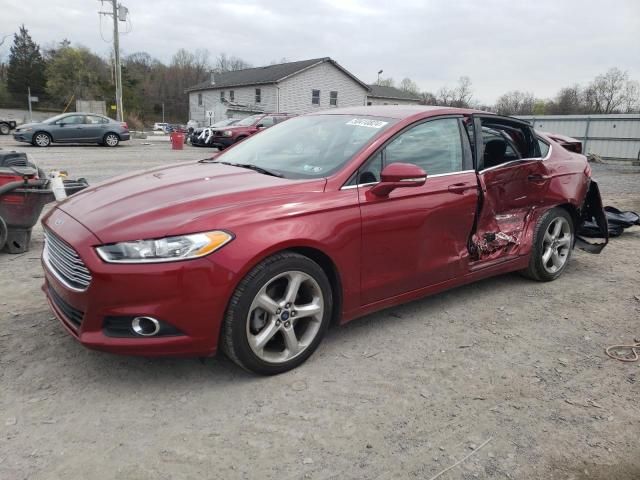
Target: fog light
[{"x": 145, "y": 326}]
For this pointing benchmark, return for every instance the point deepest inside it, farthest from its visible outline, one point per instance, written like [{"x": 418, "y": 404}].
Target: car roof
[{"x": 397, "y": 111}]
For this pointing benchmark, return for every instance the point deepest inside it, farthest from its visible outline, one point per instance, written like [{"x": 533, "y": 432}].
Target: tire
[
  {"x": 111, "y": 140},
  {"x": 553, "y": 238},
  {"x": 41, "y": 139},
  {"x": 4, "y": 129},
  {"x": 264, "y": 330}
]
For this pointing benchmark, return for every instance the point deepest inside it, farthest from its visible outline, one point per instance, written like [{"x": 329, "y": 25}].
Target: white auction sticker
[{"x": 365, "y": 122}]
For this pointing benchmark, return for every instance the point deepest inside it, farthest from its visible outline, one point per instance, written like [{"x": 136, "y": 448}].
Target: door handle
[
  {"x": 537, "y": 178},
  {"x": 460, "y": 188}
]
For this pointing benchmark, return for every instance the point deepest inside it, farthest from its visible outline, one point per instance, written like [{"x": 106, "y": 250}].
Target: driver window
[
  {"x": 72, "y": 120},
  {"x": 435, "y": 146},
  {"x": 266, "y": 122}
]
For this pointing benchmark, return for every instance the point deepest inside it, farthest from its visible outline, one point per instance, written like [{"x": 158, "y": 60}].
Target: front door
[
  {"x": 417, "y": 236},
  {"x": 69, "y": 129}
]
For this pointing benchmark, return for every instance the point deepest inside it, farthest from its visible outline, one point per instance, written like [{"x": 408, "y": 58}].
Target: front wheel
[
  {"x": 4, "y": 129},
  {"x": 552, "y": 245},
  {"x": 41, "y": 139},
  {"x": 111, "y": 140},
  {"x": 278, "y": 314}
]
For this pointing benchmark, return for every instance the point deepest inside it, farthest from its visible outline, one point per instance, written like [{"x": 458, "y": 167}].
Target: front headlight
[
  {"x": 169, "y": 249},
  {"x": 227, "y": 133},
  {"x": 22, "y": 130}
]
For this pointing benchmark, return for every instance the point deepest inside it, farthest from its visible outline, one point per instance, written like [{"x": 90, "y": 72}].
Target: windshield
[
  {"x": 225, "y": 123},
  {"x": 312, "y": 146},
  {"x": 245, "y": 122}
]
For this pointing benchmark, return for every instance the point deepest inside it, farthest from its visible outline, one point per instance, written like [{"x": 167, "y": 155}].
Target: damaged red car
[{"x": 318, "y": 220}]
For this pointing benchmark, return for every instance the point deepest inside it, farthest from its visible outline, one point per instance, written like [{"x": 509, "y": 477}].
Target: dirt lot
[{"x": 403, "y": 393}]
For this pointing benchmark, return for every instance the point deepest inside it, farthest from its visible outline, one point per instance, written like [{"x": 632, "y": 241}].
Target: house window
[
  {"x": 333, "y": 99},
  {"x": 315, "y": 97},
  {"x": 199, "y": 99},
  {"x": 222, "y": 95},
  {"x": 258, "y": 95},
  {"x": 232, "y": 95}
]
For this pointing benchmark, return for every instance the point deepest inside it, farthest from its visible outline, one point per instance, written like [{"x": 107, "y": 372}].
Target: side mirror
[
  {"x": 399, "y": 175},
  {"x": 260, "y": 125}
]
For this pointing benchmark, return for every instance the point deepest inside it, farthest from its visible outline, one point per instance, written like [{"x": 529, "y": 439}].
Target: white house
[
  {"x": 293, "y": 87},
  {"x": 379, "y": 95}
]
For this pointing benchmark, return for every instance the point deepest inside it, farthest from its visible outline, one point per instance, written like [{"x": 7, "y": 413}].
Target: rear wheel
[
  {"x": 111, "y": 140},
  {"x": 552, "y": 244},
  {"x": 278, "y": 314},
  {"x": 4, "y": 129},
  {"x": 41, "y": 139}
]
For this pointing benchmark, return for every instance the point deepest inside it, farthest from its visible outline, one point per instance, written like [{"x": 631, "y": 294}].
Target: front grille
[
  {"x": 72, "y": 314},
  {"x": 65, "y": 262}
]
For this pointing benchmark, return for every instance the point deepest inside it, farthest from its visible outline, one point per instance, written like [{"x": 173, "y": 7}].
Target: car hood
[
  {"x": 175, "y": 200},
  {"x": 29, "y": 125}
]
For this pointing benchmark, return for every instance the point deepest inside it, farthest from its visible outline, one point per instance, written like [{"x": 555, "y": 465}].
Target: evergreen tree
[{"x": 26, "y": 65}]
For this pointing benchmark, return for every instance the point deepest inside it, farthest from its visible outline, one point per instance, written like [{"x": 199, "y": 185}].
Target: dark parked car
[
  {"x": 321, "y": 219},
  {"x": 203, "y": 136},
  {"x": 75, "y": 127},
  {"x": 223, "y": 138}
]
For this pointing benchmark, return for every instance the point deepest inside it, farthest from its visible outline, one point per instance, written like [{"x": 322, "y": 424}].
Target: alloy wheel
[
  {"x": 556, "y": 244},
  {"x": 285, "y": 317},
  {"x": 111, "y": 140},
  {"x": 42, "y": 140}
]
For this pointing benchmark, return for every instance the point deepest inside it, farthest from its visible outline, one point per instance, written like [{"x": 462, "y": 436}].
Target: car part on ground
[
  {"x": 376, "y": 206},
  {"x": 24, "y": 190},
  {"x": 617, "y": 222}
]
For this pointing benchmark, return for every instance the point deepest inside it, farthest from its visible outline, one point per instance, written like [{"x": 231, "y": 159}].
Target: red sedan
[{"x": 318, "y": 220}]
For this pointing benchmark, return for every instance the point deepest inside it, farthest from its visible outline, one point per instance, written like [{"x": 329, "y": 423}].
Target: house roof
[
  {"x": 265, "y": 75},
  {"x": 378, "y": 91}
]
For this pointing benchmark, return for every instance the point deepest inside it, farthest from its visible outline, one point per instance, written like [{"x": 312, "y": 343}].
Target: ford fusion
[{"x": 318, "y": 220}]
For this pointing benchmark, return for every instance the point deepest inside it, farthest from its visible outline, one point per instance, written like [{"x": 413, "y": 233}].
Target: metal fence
[{"x": 613, "y": 137}]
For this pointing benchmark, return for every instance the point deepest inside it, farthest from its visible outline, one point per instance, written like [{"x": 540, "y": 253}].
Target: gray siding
[
  {"x": 391, "y": 101},
  {"x": 295, "y": 91},
  {"x": 242, "y": 95}
]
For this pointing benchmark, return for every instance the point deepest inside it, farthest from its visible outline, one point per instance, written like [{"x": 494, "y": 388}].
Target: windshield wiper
[{"x": 255, "y": 168}]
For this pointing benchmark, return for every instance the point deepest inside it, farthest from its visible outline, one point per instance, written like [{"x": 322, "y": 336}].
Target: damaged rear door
[{"x": 513, "y": 181}]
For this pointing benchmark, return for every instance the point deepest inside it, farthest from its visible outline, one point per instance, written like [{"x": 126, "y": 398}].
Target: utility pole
[
  {"x": 162, "y": 112},
  {"x": 30, "y": 113},
  {"x": 119, "y": 13},
  {"x": 379, "y": 73}
]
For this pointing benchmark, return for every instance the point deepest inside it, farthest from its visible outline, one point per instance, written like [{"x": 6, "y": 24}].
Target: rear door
[
  {"x": 95, "y": 127},
  {"x": 417, "y": 236},
  {"x": 513, "y": 179}
]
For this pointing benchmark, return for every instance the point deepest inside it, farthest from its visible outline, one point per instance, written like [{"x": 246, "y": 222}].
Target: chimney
[{"x": 213, "y": 80}]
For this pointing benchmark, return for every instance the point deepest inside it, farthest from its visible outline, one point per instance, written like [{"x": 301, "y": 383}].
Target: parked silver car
[{"x": 74, "y": 127}]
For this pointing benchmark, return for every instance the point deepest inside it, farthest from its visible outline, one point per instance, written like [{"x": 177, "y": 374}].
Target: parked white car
[{"x": 160, "y": 127}]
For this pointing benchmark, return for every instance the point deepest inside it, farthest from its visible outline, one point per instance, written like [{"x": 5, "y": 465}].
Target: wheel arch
[
  {"x": 42, "y": 131},
  {"x": 572, "y": 210},
  {"x": 313, "y": 252},
  {"x": 110, "y": 132}
]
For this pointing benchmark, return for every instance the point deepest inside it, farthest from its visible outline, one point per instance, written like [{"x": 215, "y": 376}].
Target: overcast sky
[{"x": 538, "y": 46}]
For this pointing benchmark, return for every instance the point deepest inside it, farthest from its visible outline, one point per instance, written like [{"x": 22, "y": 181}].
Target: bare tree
[
  {"x": 611, "y": 92},
  {"x": 408, "y": 85},
  {"x": 225, "y": 63},
  {"x": 459, "y": 96},
  {"x": 515, "y": 103},
  {"x": 386, "y": 82},
  {"x": 428, "y": 98}
]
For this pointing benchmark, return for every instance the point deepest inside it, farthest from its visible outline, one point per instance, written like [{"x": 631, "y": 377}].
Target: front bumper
[
  {"x": 23, "y": 136},
  {"x": 190, "y": 296}
]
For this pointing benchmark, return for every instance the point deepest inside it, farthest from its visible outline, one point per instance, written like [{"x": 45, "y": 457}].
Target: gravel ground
[{"x": 403, "y": 393}]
